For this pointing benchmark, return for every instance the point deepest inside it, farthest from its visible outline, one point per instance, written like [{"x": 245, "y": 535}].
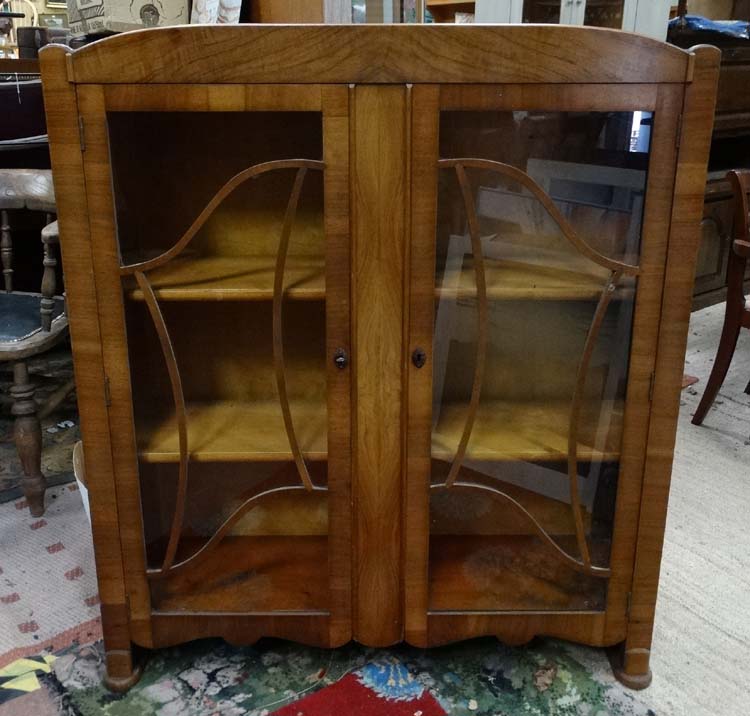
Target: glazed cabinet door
[
  {"x": 222, "y": 269},
  {"x": 538, "y": 239}
]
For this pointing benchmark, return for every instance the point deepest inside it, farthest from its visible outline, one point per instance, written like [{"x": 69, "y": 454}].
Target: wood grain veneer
[{"x": 342, "y": 321}]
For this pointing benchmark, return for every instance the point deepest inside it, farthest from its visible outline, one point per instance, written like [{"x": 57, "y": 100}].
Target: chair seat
[
  {"x": 20, "y": 316},
  {"x": 27, "y": 189}
]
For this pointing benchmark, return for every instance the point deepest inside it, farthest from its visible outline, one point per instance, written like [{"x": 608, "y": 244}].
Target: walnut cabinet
[{"x": 378, "y": 331}]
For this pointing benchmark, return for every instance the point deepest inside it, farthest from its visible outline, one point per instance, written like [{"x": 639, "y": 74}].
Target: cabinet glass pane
[
  {"x": 227, "y": 353},
  {"x": 538, "y": 242},
  {"x": 604, "y": 13},
  {"x": 544, "y": 11}
]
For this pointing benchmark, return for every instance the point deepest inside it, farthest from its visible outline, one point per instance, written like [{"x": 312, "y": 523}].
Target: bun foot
[
  {"x": 121, "y": 673},
  {"x": 631, "y": 667},
  {"x": 636, "y": 682}
]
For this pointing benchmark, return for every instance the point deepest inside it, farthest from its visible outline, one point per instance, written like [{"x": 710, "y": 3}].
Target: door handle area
[
  {"x": 418, "y": 357},
  {"x": 340, "y": 358}
]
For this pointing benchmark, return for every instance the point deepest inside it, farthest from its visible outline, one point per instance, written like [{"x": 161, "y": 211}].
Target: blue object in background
[{"x": 731, "y": 28}]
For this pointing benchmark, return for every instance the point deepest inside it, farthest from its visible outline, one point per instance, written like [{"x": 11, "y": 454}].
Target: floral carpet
[{"x": 480, "y": 677}]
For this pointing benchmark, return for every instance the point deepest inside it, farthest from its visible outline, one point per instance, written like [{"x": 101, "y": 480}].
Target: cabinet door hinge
[
  {"x": 107, "y": 393},
  {"x": 678, "y": 138},
  {"x": 82, "y": 134},
  {"x": 651, "y": 381}
]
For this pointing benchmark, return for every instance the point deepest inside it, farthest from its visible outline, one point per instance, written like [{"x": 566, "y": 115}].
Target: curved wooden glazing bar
[
  {"x": 226, "y": 190},
  {"x": 139, "y": 269},
  {"x": 617, "y": 270},
  {"x": 575, "y": 411},
  {"x": 546, "y": 201},
  {"x": 278, "y": 334},
  {"x": 180, "y": 414},
  {"x": 540, "y": 531},
  {"x": 482, "y": 317},
  {"x": 213, "y": 542}
]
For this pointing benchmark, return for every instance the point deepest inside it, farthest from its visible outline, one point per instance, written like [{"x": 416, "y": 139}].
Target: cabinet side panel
[
  {"x": 697, "y": 124},
  {"x": 655, "y": 232},
  {"x": 115, "y": 352},
  {"x": 425, "y": 125},
  {"x": 72, "y": 210},
  {"x": 379, "y": 190}
]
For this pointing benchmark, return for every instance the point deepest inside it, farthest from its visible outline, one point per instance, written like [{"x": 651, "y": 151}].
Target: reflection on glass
[
  {"x": 235, "y": 506},
  {"x": 604, "y": 13},
  {"x": 385, "y": 11},
  {"x": 542, "y": 11},
  {"x": 533, "y": 320}
]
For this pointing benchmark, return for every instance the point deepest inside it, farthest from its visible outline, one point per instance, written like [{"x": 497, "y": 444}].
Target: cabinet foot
[
  {"x": 120, "y": 675},
  {"x": 631, "y": 667}
]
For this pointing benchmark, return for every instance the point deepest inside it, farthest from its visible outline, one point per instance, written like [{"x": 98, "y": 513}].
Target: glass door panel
[
  {"x": 538, "y": 241},
  {"x": 604, "y": 13},
  {"x": 221, "y": 235},
  {"x": 542, "y": 11}
]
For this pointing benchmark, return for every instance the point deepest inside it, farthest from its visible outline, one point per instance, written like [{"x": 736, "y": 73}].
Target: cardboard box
[{"x": 95, "y": 16}]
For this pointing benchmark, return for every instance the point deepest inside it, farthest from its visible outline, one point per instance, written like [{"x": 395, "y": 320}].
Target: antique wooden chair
[
  {"x": 30, "y": 323},
  {"x": 737, "y": 313}
]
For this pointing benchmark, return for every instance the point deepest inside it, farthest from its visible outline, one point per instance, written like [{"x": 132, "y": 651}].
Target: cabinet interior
[
  {"x": 216, "y": 307},
  {"x": 525, "y": 315}
]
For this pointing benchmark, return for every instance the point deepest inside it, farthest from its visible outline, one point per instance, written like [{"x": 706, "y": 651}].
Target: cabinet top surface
[{"x": 378, "y": 54}]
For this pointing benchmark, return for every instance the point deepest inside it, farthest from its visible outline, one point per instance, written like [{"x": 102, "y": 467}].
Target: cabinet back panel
[{"x": 167, "y": 166}]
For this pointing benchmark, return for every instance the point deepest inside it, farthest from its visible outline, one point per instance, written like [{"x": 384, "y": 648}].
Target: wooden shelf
[
  {"x": 510, "y": 572},
  {"x": 515, "y": 280},
  {"x": 240, "y": 278},
  {"x": 470, "y": 511},
  {"x": 236, "y": 431},
  {"x": 249, "y": 574},
  {"x": 506, "y": 430}
]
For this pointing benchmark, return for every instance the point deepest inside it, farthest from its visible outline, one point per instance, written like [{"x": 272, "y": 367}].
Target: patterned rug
[
  {"x": 48, "y": 590},
  {"x": 480, "y": 677}
]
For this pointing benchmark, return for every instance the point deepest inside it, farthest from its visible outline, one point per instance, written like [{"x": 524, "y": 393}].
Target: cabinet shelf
[
  {"x": 516, "y": 280},
  {"x": 505, "y": 430},
  {"x": 483, "y": 573},
  {"x": 240, "y": 278},
  {"x": 240, "y": 431},
  {"x": 249, "y": 574}
]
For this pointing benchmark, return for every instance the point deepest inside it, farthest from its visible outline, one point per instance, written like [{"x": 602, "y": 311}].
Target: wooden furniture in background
[
  {"x": 730, "y": 149},
  {"x": 646, "y": 17},
  {"x": 737, "y": 314},
  {"x": 395, "y": 351},
  {"x": 301, "y": 11},
  {"x": 30, "y": 323}
]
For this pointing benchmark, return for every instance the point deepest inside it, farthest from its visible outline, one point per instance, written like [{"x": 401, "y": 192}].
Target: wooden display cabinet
[{"x": 379, "y": 331}]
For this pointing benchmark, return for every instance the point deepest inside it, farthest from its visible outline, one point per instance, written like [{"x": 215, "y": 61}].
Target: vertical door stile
[
  {"x": 424, "y": 177},
  {"x": 379, "y": 190},
  {"x": 336, "y": 118}
]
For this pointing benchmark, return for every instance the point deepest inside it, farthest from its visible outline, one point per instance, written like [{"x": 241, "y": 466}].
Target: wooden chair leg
[
  {"x": 6, "y": 251},
  {"x": 729, "y": 334},
  {"x": 727, "y": 344},
  {"x": 28, "y": 437}
]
